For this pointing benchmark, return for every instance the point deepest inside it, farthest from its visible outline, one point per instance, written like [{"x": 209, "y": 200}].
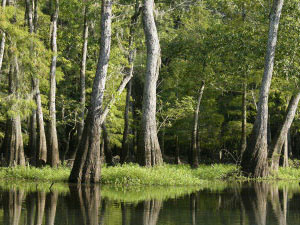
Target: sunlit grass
[{"x": 134, "y": 175}]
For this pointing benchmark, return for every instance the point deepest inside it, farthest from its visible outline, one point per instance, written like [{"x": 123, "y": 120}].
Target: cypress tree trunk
[
  {"x": 87, "y": 161},
  {"x": 280, "y": 138},
  {"x": 33, "y": 120},
  {"x": 2, "y": 45},
  {"x": 286, "y": 152},
  {"x": 244, "y": 120},
  {"x": 125, "y": 141},
  {"x": 53, "y": 154},
  {"x": 14, "y": 150},
  {"x": 37, "y": 134},
  {"x": 42, "y": 144},
  {"x": 82, "y": 76},
  {"x": 254, "y": 160},
  {"x": 149, "y": 153},
  {"x": 32, "y": 138},
  {"x": 194, "y": 154},
  {"x": 131, "y": 56}
]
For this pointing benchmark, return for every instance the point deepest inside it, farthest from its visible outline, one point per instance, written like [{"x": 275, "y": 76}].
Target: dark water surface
[{"x": 215, "y": 204}]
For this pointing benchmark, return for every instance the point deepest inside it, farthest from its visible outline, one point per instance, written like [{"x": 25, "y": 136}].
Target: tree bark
[
  {"x": 33, "y": 119},
  {"x": 53, "y": 153},
  {"x": 82, "y": 74},
  {"x": 2, "y": 45},
  {"x": 33, "y": 138},
  {"x": 286, "y": 152},
  {"x": 149, "y": 153},
  {"x": 244, "y": 120},
  {"x": 131, "y": 57},
  {"x": 283, "y": 131},
  {"x": 125, "y": 140},
  {"x": 87, "y": 161},
  {"x": 254, "y": 161},
  {"x": 42, "y": 144},
  {"x": 14, "y": 150},
  {"x": 194, "y": 154}
]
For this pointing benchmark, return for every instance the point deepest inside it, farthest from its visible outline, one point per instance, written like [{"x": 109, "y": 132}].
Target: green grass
[
  {"x": 45, "y": 174},
  {"x": 134, "y": 175}
]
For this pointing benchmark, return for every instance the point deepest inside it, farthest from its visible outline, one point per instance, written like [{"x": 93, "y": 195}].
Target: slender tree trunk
[
  {"x": 2, "y": 45},
  {"x": 87, "y": 163},
  {"x": 194, "y": 154},
  {"x": 149, "y": 150},
  {"x": 286, "y": 152},
  {"x": 254, "y": 160},
  {"x": 244, "y": 120},
  {"x": 82, "y": 75},
  {"x": 177, "y": 149},
  {"x": 42, "y": 144},
  {"x": 33, "y": 138},
  {"x": 33, "y": 119},
  {"x": 125, "y": 141},
  {"x": 37, "y": 133},
  {"x": 282, "y": 132},
  {"x": 53, "y": 153},
  {"x": 131, "y": 57}
]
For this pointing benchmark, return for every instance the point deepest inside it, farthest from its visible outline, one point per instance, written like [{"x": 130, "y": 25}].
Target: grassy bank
[{"x": 134, "y": 175}]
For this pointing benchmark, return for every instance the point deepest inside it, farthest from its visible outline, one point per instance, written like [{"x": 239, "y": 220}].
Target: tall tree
[
  {"x": 194, "y": 154},
  {"x": 131, "y": 57},
  {"x": 254, "y": 160},
  {"x": 86, "y": 165},
  {"x": 149, "y": 153},
  {"x": 82, "y": 73},
  {"x": 281, "y": 137},
  {"x": 53, "y": 153},
  {"x": 13, "y": 141},
  {"x": 2, "y": 45}
]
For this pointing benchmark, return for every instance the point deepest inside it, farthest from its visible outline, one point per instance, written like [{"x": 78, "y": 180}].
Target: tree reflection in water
[{"x": 243, "y": 204}]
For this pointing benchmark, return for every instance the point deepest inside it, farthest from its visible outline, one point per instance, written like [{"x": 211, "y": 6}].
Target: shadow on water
[{"x": 223, "y": 204}]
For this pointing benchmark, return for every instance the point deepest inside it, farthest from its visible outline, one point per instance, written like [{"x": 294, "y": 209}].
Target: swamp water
[{"x": 214, "y": 204}]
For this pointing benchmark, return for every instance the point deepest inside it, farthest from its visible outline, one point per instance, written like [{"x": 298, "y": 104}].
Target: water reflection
[{"x": 232, "y": 204}]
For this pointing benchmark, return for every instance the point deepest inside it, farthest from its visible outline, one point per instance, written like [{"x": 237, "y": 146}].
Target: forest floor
[{"x": 132, "y": 174}]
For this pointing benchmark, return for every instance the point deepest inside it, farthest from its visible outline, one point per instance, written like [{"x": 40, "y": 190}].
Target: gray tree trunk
[
  {"x": 33, "y": 120},
  {"x": 149, "y": 153},
  {"x": 244, "y": 120},
  {"x": 254, "y": 161},
  {"x": 283, "y": 131},
  {"x": 131, "y": 57},
  {"x": 194, "y": 154},
  {"x": 2, "y": 45},
  {"x": 53, "y": 153},
  {"x": 87, "y": 163},
  {"x": 82, "y": 75},
  {"x": 14, "y": 150},
  {"x": 286, "y": 152},
  {"x": 42, "y": 144}
]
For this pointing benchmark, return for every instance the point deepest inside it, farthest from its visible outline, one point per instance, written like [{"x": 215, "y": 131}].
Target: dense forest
[{"x": 85, "y": 82}]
